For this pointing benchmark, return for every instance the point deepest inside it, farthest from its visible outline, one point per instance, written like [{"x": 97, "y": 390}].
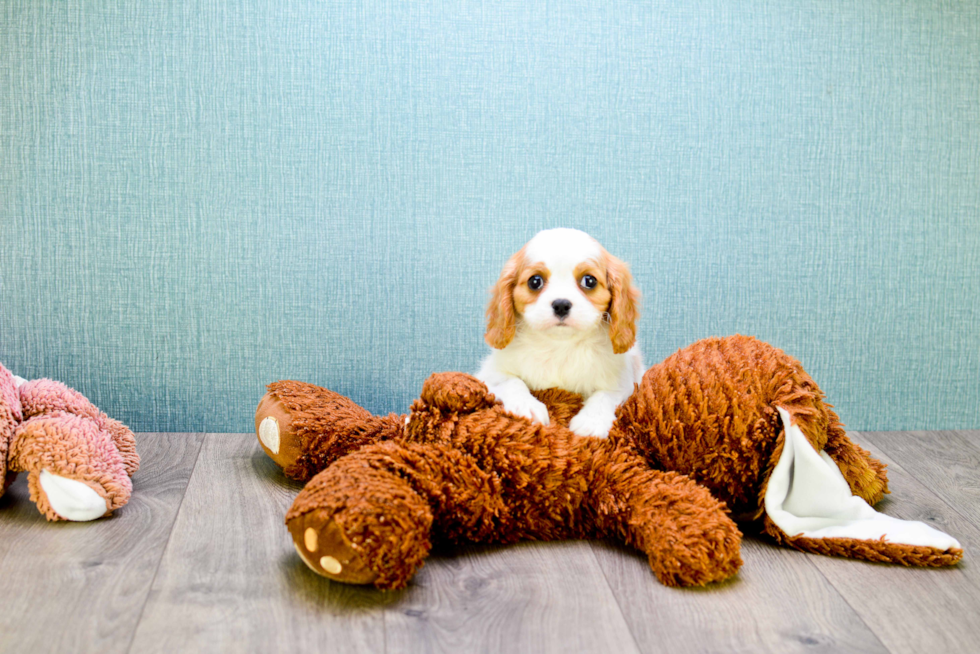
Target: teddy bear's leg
[
  {"x": 44, "y": 396},
  {"x": 75, "y": 471},
  {"x": 369, "y": 517},
  {"x": 685, "y": 532},
  {"x": 304, "y": 428}
]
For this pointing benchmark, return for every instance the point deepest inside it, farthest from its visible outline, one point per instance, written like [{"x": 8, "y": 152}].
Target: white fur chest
[{"x": 582, "y": 363}]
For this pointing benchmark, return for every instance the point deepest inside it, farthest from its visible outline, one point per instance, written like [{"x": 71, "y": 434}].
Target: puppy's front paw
[
  {"x": 593, "y": 421},
  {"x": 528, "y": 407}
]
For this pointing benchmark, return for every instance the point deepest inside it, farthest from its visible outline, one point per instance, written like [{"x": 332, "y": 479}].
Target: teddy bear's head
[{"x": 449, "y": 396}]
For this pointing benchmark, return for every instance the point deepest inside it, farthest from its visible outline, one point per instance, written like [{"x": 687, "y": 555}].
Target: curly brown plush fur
[
  {"x": 463, "y": 469},
  {"x": 709, "y": 411}
]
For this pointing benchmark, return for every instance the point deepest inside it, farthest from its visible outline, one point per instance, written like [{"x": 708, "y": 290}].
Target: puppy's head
[{"x": 562, "y": 281}]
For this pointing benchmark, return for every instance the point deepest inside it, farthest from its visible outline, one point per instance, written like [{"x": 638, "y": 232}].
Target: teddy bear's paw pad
[
  {"x": 273, "y": 426},
  {"x": 325, "y": 550},
  {"x": 269, "y": 433},
  {"x": 71, "y": 499}
]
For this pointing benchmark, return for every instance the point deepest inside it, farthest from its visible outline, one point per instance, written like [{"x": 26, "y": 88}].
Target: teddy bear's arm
[
  {"x": 304, "y": 428},
  {"x": 685, "y": 532}
]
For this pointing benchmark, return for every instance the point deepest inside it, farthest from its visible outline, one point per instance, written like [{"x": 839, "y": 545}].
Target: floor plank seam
[
  {"x": 949, "y": 503},
  {"x": 612, "y": 591},
  {"x": 163, "y": 551},
  {"x": 927, "y": 488},
  {"x": 384, "y": 630},
  {"x": 857, "y": 614}
]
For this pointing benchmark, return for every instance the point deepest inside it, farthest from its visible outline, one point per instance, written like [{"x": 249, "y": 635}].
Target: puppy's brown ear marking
[
  {"x": 624, "y": 305},
  {"x": 501, "y": 316}
]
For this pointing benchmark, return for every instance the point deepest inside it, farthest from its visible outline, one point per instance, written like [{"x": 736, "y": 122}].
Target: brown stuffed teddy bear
[
  {"x": 734, "y": 416},
  {"x": 78, "y": 460}
]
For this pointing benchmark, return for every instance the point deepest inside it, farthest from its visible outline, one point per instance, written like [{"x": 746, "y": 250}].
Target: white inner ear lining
[{"x": 808, "y": 496}]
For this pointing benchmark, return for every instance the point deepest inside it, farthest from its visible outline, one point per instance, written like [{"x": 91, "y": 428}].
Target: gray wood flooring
[{"x": 199, "y": 560}]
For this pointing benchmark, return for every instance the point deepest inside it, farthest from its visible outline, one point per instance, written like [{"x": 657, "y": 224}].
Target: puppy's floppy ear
[
  {"x": 501, "y": 316},
  {"x": 624, "y": 305}
]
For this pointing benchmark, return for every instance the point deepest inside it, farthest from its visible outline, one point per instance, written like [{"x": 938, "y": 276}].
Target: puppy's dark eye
[
  {"x": 588, "y": 282},
  {"x": 535, "y": 283}
]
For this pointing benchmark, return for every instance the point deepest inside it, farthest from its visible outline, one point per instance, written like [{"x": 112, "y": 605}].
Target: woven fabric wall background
[{"x": 199, "y": 198}]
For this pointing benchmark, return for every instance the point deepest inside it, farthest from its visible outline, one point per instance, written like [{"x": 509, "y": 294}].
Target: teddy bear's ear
[
  {"x": 501, "y": 316},
  {"x": 624, "y": 305}
]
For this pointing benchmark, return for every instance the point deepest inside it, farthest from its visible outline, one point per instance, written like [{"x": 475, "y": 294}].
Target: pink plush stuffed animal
[{"x": 79, "y": 461}]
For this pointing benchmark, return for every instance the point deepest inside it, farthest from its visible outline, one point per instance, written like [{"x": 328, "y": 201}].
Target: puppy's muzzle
[{"x": 561, "y": 308}]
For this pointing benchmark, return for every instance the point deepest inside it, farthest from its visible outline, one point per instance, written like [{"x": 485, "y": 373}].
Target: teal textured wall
[{"x": 198, "y": 198}]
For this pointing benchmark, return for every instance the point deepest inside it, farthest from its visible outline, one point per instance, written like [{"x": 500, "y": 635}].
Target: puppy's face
[{"x": 561, "y": 282}]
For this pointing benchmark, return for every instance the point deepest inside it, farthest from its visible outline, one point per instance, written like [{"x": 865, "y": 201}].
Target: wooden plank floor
[{"x": 199, "y": 560}]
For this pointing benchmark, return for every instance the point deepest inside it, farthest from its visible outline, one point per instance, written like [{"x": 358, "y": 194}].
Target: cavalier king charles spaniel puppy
[{"x": 563, "y": 314}]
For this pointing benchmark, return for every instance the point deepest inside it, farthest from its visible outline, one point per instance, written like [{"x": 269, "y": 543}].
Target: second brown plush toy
[{"x": 732, "y": 416}]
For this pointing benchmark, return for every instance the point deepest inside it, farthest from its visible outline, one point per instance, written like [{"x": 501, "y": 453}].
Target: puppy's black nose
[{"x": 561, "y": 307}]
